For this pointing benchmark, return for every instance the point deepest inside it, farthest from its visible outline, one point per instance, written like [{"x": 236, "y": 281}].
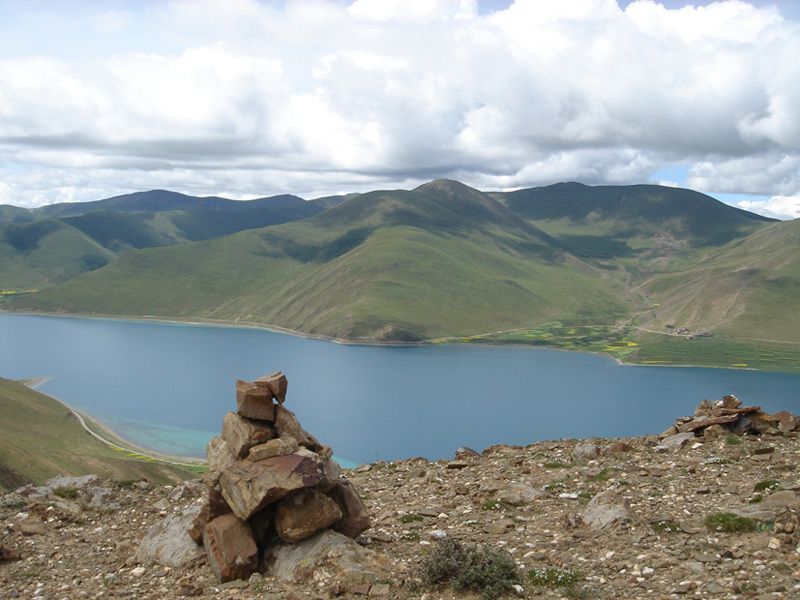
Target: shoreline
[{"x": 116, "y": 441}]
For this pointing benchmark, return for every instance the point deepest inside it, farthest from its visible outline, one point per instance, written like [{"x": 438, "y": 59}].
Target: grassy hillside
[
  {"x": 54, "y": 243},
  {"x": 440, "y": 260},
  {"x": 38, "y": 440}
]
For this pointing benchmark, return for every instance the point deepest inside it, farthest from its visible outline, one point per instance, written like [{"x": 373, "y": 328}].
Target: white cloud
[
  {"x": 778, "y": 207},
  {"x": 249, "y": 98}
]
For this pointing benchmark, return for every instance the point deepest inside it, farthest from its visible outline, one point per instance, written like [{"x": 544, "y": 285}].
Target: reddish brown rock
[
  {"x": 214, "y": 506},
  {"x": 281, "y": 446},
  {"x": 242, "y": 434},
  {"x": 355, "y": 520},
  {"x": 276, "y": 383},
  {"x": 786, "y": 421},
  {"x": 620, "y": 446},
  {"x": 231, "y": 550},
  {"x": 250, "y": 486},
  {"x": 303, "y": 514},
  {"x": 286, "y": 424},
  {"x": 254, "y": 401},
  {"x": 702, "y": 423}
]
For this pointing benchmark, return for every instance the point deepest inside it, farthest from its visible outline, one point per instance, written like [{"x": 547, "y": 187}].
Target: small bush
[
  {"x": 756, "y": 499},
  {"x": 733, "y": 440},
  {"x": 729, "y": 522},
  {"x": 553, "y": 577},
  {"x": 468, "y": 568},
  {"x": 555, "y": 464},
  {"x": 67, "y": 492},
  {"x": 666, "y": 525},
  {"x": 411, "y": 518},
  {"x": 767, "y": 484}
]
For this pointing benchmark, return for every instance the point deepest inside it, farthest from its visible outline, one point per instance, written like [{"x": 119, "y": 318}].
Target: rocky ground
[{"x": 625, "y": 518}]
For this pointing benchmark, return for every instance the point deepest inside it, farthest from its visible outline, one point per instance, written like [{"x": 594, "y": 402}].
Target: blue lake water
[{"x": 167, "y": 387}]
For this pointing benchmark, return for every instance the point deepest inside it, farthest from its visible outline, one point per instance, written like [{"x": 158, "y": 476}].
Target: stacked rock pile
[
  {"x": 270, "y": 483},
  {"x": 729, "y": 416}
]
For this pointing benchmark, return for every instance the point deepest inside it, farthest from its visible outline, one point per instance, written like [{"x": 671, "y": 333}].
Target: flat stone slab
[
  {"x": 250, "y": 486},
  {"x": 169, "y": 543}
]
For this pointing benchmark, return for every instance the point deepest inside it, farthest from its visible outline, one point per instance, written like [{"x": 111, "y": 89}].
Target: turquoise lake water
[{"x": 167, "y": 387}]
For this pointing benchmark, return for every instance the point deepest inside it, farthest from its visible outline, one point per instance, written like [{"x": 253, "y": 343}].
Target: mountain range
[{"x": 628, "y": 270}]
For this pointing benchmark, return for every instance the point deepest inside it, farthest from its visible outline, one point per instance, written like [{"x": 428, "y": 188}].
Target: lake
[{"x": 167, "y": 387}]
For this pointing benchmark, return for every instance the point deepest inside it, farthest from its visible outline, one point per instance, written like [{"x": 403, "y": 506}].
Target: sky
[{"x": 253, "y": 98}]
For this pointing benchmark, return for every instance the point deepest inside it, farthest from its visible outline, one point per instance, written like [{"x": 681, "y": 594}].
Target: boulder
[
  {"x": 214, "y": 506},
  {"x": 280, "y": 446},
  {"x": 219, "y": 457},
  {"x": 585, "y": 451},
  {"x": 517, "y": 494},
  {"x": 286, "y": 424},
  {"x": 242, "y": 434},
  {"x": 786, "y": 421},
  {"x": 254, "y": 401},
  {"x": 231, "y": 550},
  {"x": 168, "y": 543},
  {"x": 465, "y": 452},
  {"x": 355, "y": 519},
  {"x": 731, "y": 401},
  {"x": 605, "y": 510},
  {"x": 326, "y": 555},
  {"x": 276, "y": 383},
  {"x": 250, "y": 486},
  {"x": 304, "y": 513},
  {"x": 80, "y": 483},
  {"x": 677, "y": 441}
]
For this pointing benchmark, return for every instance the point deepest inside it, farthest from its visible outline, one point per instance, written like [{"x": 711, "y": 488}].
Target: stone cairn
[
  {"x": 270, "y": 482},
  {"x": 728, "y": 416}
]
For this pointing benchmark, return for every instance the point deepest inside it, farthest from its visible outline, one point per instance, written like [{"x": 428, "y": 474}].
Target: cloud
[
  {"x": 249, "y": 98},
  {"x": 778, "y": 207}
]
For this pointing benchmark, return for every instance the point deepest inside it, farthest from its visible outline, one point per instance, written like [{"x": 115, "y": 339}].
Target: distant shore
[{"x": 104, "y": 434}]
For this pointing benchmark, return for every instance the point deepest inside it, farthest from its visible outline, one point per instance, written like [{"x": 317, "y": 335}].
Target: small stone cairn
[
  {"x": 270, "y": 483},
  {"x": 728, "y": 416}
]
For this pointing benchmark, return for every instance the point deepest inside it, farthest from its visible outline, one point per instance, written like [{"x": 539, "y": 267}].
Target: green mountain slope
[
  {"x": 37, "y": 250},
  {"x": 38, "y": 440},
  {"x": 443, "y": 259}
]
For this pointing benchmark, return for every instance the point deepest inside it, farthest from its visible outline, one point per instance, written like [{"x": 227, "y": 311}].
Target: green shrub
[
  {"x": 66, "y": 491},
  {"x": 553, "y": 577},
  {"x": 556, "y": 464},
  {"x": 469, "y": 568},
  {"x": 733, "y": 440},
  {"x": 666, "y": 525},
  {"x": 729, "y": 522},
  {"x": 767, "y": 484},
  {"x": 411, "y": 518}
]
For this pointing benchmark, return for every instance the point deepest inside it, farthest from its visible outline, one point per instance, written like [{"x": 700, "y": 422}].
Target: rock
[
  {"x": 668, "y": 432},
  {"x": 605, "y": 510},
  {"x": 286, "y": 424},
  {"x": 786, "y": 421},
  {"x": 168, "y": 543},
  {"x": 214, "y": 506},
  {"x": 277, "y": 447},
  {"x": 465, "y": 452},
  {"x": 242, "y": 434},
  {"x": 703, "y": 409},
  {"x": 231, "y": 550},
  {"x": 276, "y": 383},
  {"x": 585, "y": 451},
  {"x": 75, "y": 482},
  {"x": 98, "y": 496},
  {"x": 355, "y": 519},
  {"x": 254, "y": 401},
  {"x": 518, "y": 494},
  {"x": 715, "y": 431},
  {"x": 677, "y": 441},
  {"x": 499, "y": 527},
  {"x": 248, "y": 487},
  {"x": 703, "y": 422},
  {"x": 8, "y": 555},
  {"x": 219, "y": 457},
  {"x": 29, "y": 528},
  {"x": 731, "y": 401},
  {"x": 326, "y": 552},
  {"x": 304, "y": 513},
  {"x": 620, "y": 446}
]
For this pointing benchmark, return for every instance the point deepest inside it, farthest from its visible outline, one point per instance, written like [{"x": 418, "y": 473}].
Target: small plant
[
  {"x": 756, "y": 499},
  {"x": 410, "y": 536},
  {"x": 729, "y": 522},
  {"x": 126, "y": 483},
  {"x": 553, "y": 577},
  {"x": 411, "y": 518},
  {"x": 554, "y": 485},
  {"x": 466, "y": 567},
  {"x": 767, "y": 484},
  {"x": 666, "y": 525},
  {"x": 605, "y": 474},
  {"x": 586, "y": 495},
  {"x": 556, "y": 464},
  {"x": 733, "y": 440},
  {"x": 67, "y": 492}
]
